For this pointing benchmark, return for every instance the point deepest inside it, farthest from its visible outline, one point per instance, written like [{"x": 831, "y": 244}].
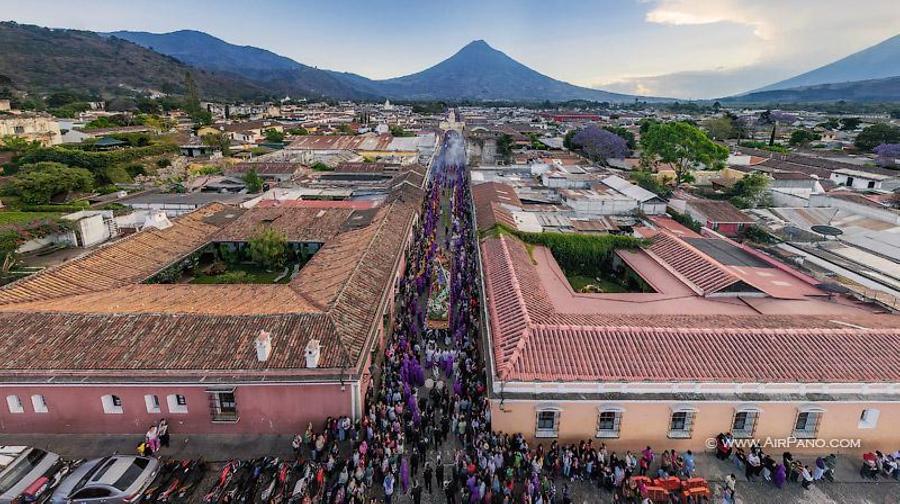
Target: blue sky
[{"x": 683, "y": 48}]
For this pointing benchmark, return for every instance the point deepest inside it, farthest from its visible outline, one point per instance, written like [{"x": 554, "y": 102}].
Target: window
[
  {"x": 807, "y": 424},
  {"x": 223, "y": 406},
  {"x": 177, "y": 403},
  {"x": 91, "y": 493},
  {"x": 547, "y": 423},
  {"x": 868, "y": 419},
  {"x": 112, "y": 404},
  {"x": 14, "y": 404},
  {"x": 152, "y": 402},
  {"x": 38, "y": 403},
  {"x": 608, "y": 422},
  {"x": 681, "y": 425},
  {"x": 743, "y": 425}
]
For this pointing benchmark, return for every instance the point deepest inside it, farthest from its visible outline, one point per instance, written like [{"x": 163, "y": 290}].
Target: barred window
[
  {"x": 744, "y": 423},
  {"x": 681, "y": 424},
  {"x": 608, "y": 422}
]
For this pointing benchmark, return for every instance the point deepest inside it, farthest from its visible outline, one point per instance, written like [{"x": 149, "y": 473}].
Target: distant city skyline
[{"x": 678, "y": 48}]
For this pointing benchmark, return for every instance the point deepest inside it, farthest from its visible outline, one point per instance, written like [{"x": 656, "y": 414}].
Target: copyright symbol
[{"x": 710, "y": 443}]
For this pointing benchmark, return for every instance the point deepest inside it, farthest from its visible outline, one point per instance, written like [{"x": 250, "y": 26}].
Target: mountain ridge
[
  {"x": 43, "y": 59},
  {"x": 495, "y": 76},
  {"x": 871, "y": 90},
  {"x": 878, "y": 61}
]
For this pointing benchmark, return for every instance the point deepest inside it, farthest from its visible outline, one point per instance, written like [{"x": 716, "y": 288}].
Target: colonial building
[
  {"x": 32, "y": 127},
  {"x": 721, "y": 338},
  {"x": 100, "y": 344}
]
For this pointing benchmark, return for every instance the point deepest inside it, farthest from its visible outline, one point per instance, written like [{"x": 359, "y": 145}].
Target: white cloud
[
  {"x": 701, "y": 84},
  {"x": 781, "y": 38}
]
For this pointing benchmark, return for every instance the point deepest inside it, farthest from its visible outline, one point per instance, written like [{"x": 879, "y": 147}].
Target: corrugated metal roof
[{"x": 628, "y": 189}]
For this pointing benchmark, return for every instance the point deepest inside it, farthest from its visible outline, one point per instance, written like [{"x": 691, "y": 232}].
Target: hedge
[
  {"x": 579, "y": 254},
  {"x": 94, "y": 161}
]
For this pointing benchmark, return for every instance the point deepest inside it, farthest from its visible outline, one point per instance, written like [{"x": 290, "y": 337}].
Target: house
[
  {"x": 719, "y": 216},
  {"x": 175, "y": 204},
  {"x": 91, "y": 227},
  {"x": 118, "y": 349},
  {"x": 269, "y": 170},
  {"x": 34, "y": 127},
  {"x": 862, "y": 180},
  {"x": 722, "y": 339},
  {"x": 647, "y": 202}
]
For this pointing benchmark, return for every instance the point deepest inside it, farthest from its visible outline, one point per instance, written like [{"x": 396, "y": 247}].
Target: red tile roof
[
  {"x": 534, "y": 340},
  {"x": 94, "y": 314},
  {"x": 490, "y": 199},
  {"x": 319, "y": 204},
  {"x": 690, "y": 264}
]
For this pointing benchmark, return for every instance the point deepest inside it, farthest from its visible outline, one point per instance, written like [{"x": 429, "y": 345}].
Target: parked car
[
  {"x": 31, "y": 473},
  {"x": 119, "y": 479}
]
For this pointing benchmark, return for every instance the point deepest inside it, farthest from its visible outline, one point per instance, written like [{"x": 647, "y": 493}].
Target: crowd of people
[{"x": 431, "y": 390}]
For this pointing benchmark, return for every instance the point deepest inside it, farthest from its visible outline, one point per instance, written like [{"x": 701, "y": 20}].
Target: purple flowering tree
[
  {"x": 600, "y": 144},
  {"x": 888, "y": 154}
]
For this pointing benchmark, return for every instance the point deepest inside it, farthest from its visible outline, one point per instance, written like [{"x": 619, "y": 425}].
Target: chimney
[
  {"x": 312, "y": 353},
  {"x": 263, "y": 346}
]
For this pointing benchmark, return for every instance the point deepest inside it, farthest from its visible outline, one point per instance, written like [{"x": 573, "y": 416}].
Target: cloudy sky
[{"x": 681, "y": 48}]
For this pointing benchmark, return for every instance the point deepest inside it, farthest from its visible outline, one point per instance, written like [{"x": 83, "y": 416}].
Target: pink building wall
[{"x": 262, "y": 409}]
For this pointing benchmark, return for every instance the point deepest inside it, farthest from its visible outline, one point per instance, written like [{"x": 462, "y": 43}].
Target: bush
[
  {"x": 96, "y": 162},
  {"x": 579, "y": 254},
  {"x": 116, "y": 175},
  {"x": 267, "y": 248},
  {"x": 39, "y": 183},
  {"x": 75, "y": 206},
  {"x": 687, "y": 221},
  {"x": 135, "y": 169},
  {"x": 163, "y": 163},
  {"x": 234, "y": 277}
]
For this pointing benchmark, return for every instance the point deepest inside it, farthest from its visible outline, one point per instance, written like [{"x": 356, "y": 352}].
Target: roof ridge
[
  {"x": 522, "y": 336},
  {"x": 670, "y": 237},
  {"x": 90, "y": 253}
]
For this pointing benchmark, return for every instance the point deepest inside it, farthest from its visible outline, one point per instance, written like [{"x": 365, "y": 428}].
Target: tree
[
  {"x": 649, "y": 181},
  {"x": 298, "y": 131},
  {"x": 268, "y": 248},
  {"x": 720, "y": 128},
  {"x": 877, "y": 134},
  {"x": 398, "y": 131},
  {"x": 831, "y": 123},
  {"x": 888, "y": 154},
  {"x": 320, "y": 166},
  {"x": 218, "y": 141},
  {"x": 504, "y": 147},
  {"x": 850, "y": 123},
  {"x": 253, "y": 181},
  {"x": 803, "y": 137},
  {"x": 684, "y": 146},
  {"x": 567, "y": 140},
  {"x": 18, "y": 145},
  {"x": 600, "y": 144},
  {"x": 274, "y": 136},
  {"x": 192, "y": 102},
  {"x": 750, "y": 191},
  {"x": 624, "y": 133},
  {"x": 39, "y": 183}
]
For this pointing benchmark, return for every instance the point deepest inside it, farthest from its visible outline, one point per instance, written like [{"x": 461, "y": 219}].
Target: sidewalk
[
  {"x": 848, "y": 487},
  {"x": 213, "y": 448}
]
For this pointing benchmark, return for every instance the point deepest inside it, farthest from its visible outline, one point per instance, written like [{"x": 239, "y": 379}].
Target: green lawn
[
  {"x": 578, "y": 282},
  {"x": 11, "y": 217},
  {"x": 242, "y": 273}
]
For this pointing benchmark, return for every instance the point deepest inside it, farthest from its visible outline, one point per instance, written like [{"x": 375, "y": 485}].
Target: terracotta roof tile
[{"x": 533, "y": 341}]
